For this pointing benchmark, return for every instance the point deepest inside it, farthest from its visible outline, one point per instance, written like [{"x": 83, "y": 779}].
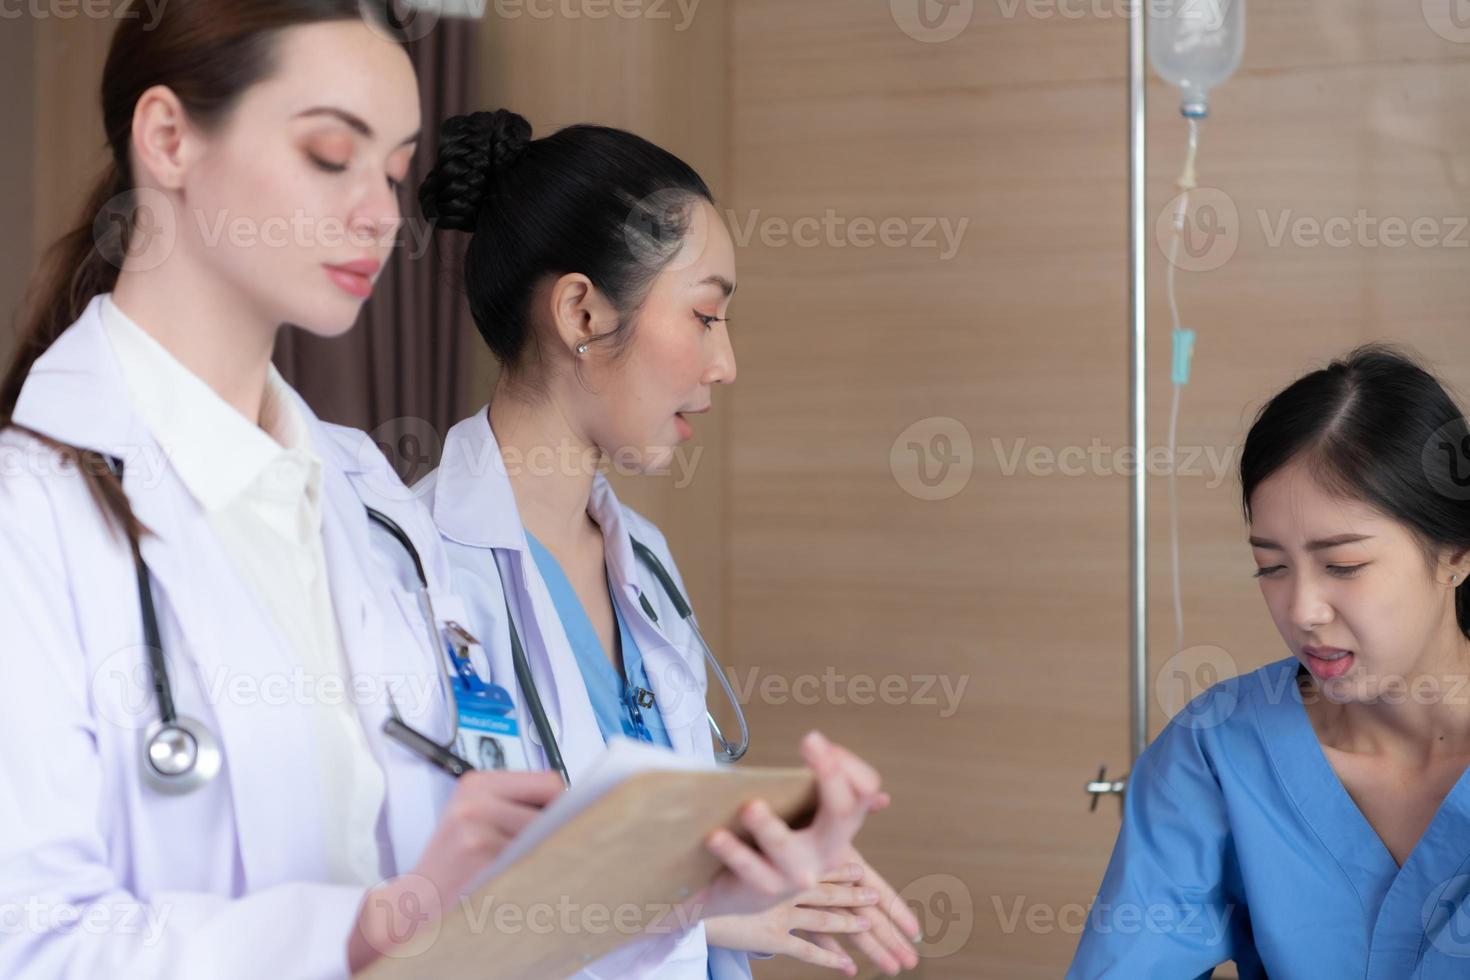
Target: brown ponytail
[
  {"x": 73, "y": 271},
  {"x": 208, "y": 52}
]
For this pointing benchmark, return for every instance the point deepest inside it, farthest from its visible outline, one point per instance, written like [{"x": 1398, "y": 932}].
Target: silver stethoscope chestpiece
[{"x": 180, "y": 756}]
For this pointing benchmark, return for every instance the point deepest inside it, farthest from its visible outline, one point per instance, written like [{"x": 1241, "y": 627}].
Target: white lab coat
[
  {"x": 475, "y": 510},
  {"x": 100, "y": 875}
]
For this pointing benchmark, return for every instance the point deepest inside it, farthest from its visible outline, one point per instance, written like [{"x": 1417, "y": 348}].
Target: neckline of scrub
[
  {"x": 1324, "y": 800},
  {"x": 580, "y": 622}
]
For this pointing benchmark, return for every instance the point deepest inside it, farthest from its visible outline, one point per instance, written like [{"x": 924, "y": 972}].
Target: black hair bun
[{"x": 471, "y": 149}]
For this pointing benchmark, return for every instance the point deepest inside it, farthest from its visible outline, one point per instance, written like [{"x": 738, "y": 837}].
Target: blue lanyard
[{"x": 635, "y": 699}]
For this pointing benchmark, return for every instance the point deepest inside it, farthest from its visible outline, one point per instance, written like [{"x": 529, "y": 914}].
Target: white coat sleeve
[{"x": 62, "y": 911}]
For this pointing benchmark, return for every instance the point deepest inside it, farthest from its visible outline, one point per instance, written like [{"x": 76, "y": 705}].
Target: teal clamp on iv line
[{"x": 1183, "y": 353}]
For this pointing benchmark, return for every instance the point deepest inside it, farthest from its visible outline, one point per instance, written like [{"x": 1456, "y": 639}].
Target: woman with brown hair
[{"x": 201, "y": 648}]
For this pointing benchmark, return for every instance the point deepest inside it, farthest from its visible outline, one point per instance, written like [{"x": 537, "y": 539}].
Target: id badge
[{"x": 489, "y": 735}]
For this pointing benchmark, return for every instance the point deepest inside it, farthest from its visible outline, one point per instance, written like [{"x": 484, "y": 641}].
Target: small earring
[{"x": 582, "y": 347}]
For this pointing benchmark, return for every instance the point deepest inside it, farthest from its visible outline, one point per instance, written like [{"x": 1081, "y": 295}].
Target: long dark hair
[
  {"x": 589, "y": 199},
  {"x": 208, "y": 52},
  {"x": 1377, "y": 427}
]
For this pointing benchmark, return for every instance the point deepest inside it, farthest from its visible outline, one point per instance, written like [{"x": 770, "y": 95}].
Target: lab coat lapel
[
  {"x": 382, "y": 652},
  {"x": 474, "y": 506},
  {"x": 224, "y": 647},
  {"x": 676, "y": 688},
  {"x": 553, "y": 665}
]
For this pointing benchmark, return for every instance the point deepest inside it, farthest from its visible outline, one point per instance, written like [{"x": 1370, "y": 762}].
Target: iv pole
[{"x": 1137, "y": 413}]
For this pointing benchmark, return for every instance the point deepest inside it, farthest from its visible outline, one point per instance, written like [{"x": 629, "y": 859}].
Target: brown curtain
[{"x": 402, "y": 372}]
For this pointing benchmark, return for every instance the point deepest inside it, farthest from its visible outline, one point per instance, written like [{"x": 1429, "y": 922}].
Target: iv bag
[{"x": 1196, "y": 45}]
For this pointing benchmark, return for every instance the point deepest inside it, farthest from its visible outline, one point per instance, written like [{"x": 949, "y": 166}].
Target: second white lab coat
[{"x": 475, "y": 511}]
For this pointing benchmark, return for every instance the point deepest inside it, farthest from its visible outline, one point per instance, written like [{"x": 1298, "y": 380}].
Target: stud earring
[{"x": 582, "y": 347}]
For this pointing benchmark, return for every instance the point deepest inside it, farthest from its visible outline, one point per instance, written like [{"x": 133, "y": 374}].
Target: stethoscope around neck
[
  {"x": 442, "y": 752},
  {"x": 180, "y": 754}
]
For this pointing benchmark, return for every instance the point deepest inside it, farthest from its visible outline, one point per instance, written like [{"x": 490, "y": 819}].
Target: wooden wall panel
[
  {"x": 54, "y": 122},
  {"x": 1017, "y": 584},
  {"x": 70, "y": 149}
]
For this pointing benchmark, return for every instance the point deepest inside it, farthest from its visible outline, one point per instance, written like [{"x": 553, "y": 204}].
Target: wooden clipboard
[{"x": 598, "y": 880}]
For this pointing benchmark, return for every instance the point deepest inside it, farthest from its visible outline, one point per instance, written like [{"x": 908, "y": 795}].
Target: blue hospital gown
[{"x": 1240, "y": 843}]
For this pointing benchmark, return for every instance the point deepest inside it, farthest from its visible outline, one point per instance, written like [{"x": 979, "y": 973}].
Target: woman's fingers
[
  {"x": 864, "y": 777},
  {"x": 886, "y": 934},
  {"x": 874, "y": 950},
  {"x": 849, "y": 873},
  {"x": 505, "y": 814},
  {"x": 793, "y": 863},
  {"x": 535, "y": 788},
  {"x": 894, "y": 927},
  {"x": 475, "y": 830},
  {"x": 820, "y": 756},
  {"x": 828, "y": 942},
  {"x": 840, "y": 810},
  {"x": 783, "y": 847},
  {"x": 818, "y": 950},
  {"x": 511, "y": 818},
  {"x": 829, "y": 895},
  {"x": 747, "y": 864},
  {"x": 829, "y": 921},
  {"x": 485, "y": 811},
  {"x": 835, "y": 791},
  {"x": 889, "y": 901}
]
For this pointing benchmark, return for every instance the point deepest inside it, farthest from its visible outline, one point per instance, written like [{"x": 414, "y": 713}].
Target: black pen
[{"x": 426, "y": 748}]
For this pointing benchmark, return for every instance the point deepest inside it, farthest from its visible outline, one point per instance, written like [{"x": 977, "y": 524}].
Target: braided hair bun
[{"x": 472, "y": 150}]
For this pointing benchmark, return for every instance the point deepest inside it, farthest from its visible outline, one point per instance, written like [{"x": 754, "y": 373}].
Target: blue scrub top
[
  {"x": 615, "y": 698},
  {"x": 1240, "y": 842}
]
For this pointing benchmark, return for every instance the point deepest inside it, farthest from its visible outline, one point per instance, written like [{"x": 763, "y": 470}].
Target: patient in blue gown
[{"x": 1312, "y": 819}]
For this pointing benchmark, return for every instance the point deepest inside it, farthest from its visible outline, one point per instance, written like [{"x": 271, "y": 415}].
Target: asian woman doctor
[
  {"x": 600, "y": 275},
  {"x": 159, "y": 482}
]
